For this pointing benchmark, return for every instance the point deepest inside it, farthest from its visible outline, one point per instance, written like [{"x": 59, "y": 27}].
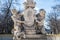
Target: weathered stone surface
[
  {"x": 29, "y": 3},
  {"x": 29, "y": 16},
  {"x": 30, "y": 32}
]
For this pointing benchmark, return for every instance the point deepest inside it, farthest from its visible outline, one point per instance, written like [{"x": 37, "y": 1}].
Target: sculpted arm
[
  {"x": 19, "y": 21},
  {"x": 16, "y": 20},
  {"x": 40, "y": 22},
  {"x": 13, "y": 18}
]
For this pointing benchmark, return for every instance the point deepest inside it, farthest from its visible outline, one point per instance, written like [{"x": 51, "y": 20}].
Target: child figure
[
  {"x": 40, "y": 21},
  {"x": 17, "y": 24}
]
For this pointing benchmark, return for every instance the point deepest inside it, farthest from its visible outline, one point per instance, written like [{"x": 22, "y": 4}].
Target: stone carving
[
  {"x": 17, "y": 23},
  {"x": 29, "y": 21},
  {"x": 29, "y": 17},
  {"x": 40, "y": 21}
]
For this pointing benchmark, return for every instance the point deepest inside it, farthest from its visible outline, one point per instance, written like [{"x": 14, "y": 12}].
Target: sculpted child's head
[
  {"x": 14, "y": 11},
  {"x": 42, "y": 12}
]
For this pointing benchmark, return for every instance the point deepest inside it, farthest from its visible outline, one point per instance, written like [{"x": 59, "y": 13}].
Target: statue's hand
[{"x": 38, "y": 22}]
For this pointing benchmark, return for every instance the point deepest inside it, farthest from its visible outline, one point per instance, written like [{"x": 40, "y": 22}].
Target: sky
[{"x": 45, "y": 4}]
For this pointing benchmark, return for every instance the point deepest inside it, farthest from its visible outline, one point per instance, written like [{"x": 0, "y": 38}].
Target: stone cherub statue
[
  {"x": 40, "y": 21},
  {"x": 16, "y": 17}
]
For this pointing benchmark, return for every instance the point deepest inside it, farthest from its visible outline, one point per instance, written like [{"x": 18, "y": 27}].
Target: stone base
[
  {"x": 35, "y": 37},
  {"x": 30, "y": 32}
]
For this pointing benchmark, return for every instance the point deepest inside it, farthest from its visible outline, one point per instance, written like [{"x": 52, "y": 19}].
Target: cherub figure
[
  {"x": 40, "y": 21},
  {"x": 16, "y": 17}
]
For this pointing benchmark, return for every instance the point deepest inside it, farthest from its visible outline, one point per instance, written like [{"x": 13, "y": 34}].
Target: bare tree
[
  {"x": 6, "y": 21},
  {"x": 53, "y": 21},
  {"x": 53, "y": 24}
]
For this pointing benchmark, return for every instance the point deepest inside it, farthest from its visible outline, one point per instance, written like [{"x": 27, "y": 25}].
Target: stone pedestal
[
  {"x": 35, "y": 37},
  {"x": 30, "y": 31}
]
